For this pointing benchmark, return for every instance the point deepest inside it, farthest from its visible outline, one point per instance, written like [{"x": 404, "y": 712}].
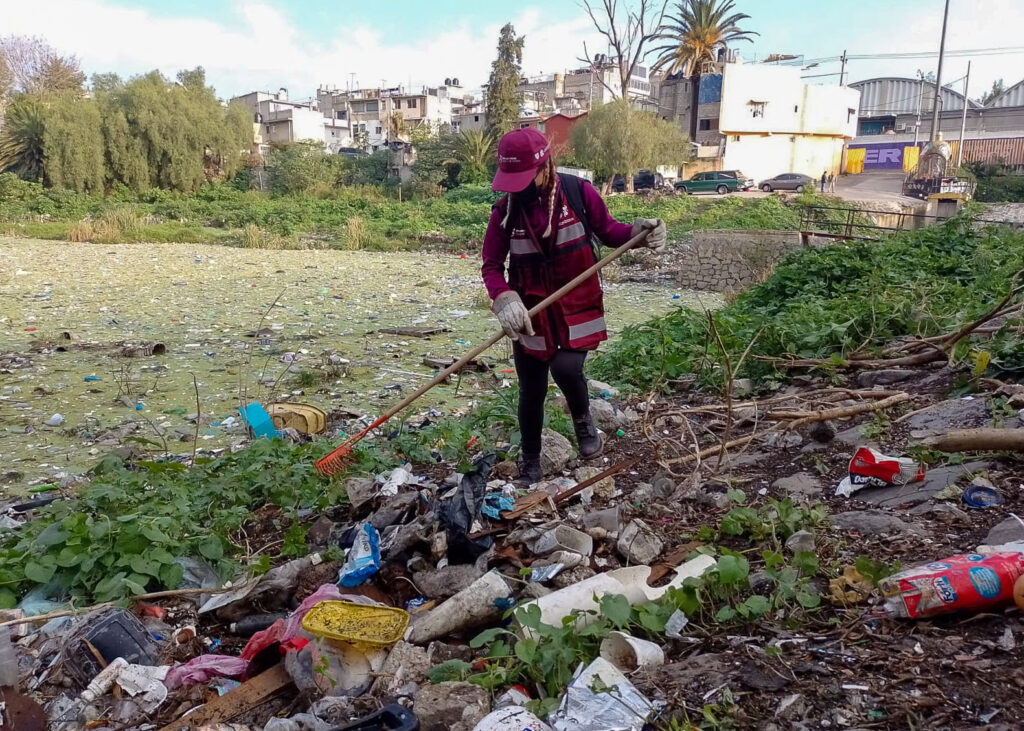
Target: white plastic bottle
[{"x": 103, "y": 680}]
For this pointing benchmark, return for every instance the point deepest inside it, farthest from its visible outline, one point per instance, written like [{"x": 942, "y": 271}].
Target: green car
[{"x": 717, "y": 181}]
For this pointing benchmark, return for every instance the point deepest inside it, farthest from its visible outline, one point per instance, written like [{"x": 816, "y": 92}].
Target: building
[
  {"x": 370, "y": 112},
  {"x": 600, "y": 84},
  {"x": 558, "y": 128},
  {"x": 675, "y": 103},
  {"x": 471, "y": 119},
  {"x": 278, "y": 120},
  {"x": 773, "y": 123},
  {"x": 894, "y": 122}
]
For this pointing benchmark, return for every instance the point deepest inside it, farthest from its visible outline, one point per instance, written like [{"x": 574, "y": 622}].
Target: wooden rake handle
[{"x": 534, "y": 311}]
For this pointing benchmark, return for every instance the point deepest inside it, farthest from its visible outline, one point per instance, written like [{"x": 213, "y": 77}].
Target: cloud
[{"x": 261, "y": 48}]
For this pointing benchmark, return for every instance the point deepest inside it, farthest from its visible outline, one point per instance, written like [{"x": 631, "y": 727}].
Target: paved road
[{"x": 876, "y": 186}]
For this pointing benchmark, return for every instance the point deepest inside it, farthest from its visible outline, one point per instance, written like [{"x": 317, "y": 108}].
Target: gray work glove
[
  {"x": 656, "y": 238},
  {"x": 512, "y": 314}
]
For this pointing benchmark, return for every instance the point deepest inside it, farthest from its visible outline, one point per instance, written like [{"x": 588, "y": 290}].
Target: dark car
[
  {"x": 643, "y": 180},
  {"x": 716, "y": 181},
  {"x": 787, "y": 181}
]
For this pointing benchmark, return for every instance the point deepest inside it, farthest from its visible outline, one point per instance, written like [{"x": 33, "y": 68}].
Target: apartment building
[
  {"x": 369, "y": 112},
  {"x": 277, "y": 119}
]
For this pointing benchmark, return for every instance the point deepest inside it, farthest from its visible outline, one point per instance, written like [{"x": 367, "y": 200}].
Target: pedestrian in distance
[
  {"x": 823, "y": 181},
  {"x": 549, "y": 227},
  {"x": 831, "y": 183}
]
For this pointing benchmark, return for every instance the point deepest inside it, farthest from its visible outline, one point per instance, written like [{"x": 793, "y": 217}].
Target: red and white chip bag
[
  {"x": 870, "y": 468},
  {"x": 972, "y": 582}
]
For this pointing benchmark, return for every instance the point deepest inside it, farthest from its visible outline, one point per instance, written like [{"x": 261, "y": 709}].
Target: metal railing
[{"x": 854, "y": 223}]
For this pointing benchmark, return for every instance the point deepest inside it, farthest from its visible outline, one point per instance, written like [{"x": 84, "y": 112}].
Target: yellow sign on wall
[{"x": 855, "y": 160}]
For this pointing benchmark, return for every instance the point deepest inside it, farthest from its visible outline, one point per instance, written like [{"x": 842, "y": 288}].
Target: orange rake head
[{"x": 335, "y": 462}]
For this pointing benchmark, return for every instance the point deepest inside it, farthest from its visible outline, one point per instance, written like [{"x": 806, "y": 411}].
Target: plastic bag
[
  {"x": 966, "y": 582},
  {"x": 602, "y": 699},
  {"x": 201, "y": 669},
  {"x": 363, "y": 558},
  {"x": 458, "y": 513}
]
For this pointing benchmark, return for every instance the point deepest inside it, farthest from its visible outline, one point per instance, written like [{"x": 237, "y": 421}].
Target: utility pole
[
  {"x": 938, "y": 74},
  {"x": 963, "y": 120},
  {"x": 842, "y": 67},
  {"x": 920, "y": 98}
]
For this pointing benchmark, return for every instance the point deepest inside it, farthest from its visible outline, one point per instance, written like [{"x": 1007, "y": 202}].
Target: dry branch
[{"x": 978, "y": 440}]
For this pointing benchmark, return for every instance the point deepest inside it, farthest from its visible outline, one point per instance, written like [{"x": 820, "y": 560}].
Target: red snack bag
[{"x": 966, "y": 582}]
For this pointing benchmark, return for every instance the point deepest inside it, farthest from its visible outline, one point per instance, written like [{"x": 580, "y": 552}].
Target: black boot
[
  {"x": 588, "y": 440},
  {"x": 530, "y": 470}
]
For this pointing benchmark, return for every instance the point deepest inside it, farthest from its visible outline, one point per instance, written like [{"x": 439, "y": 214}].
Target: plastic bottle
[
  {"x": 104, "y": 680},
  {"x": 8, "y": 660}
]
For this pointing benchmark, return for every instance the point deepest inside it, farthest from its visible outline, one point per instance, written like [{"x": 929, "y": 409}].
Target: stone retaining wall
[{"x": 728, "y": 261}]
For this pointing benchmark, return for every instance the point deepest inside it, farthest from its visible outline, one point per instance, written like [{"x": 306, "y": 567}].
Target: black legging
[{"x": 567, "y": 370}]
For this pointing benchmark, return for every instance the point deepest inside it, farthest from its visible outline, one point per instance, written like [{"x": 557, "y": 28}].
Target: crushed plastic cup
[{"x": 871, "y": 468}]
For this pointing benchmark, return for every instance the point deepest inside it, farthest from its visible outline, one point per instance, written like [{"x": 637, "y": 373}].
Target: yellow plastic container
[
  {"x": 360, "y": 623},
  {"x": 303, "y": 418}
]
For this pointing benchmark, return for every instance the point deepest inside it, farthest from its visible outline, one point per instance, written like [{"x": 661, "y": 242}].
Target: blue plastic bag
[{"x": 363, "y": 558}]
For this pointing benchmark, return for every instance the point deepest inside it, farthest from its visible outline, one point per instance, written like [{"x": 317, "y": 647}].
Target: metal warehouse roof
[
  {"x": 895, "y": 95},
  {"x": 1012, "y": 97}
]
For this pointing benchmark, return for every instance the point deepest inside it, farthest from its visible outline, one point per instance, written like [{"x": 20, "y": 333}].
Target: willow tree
[
  {"x": 617, "y": 140},
  {"x": 170, "y": 135},
  {"x": 73, "y": 144}
]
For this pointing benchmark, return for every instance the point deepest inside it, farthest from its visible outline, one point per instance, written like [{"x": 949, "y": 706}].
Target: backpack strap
[{"x": 573, "y": 188}]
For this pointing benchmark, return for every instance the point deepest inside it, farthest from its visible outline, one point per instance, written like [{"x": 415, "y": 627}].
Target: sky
[{"x": 301, "y": 44}]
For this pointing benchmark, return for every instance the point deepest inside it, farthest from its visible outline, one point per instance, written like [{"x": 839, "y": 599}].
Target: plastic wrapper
[
  {"x": 602, "y": 699},
  {"x": 870, "y": 468},
  {"x": 203, "y": 668},
  {"x": 363, "y": 558},
  {"x": 972, "y": 582}
]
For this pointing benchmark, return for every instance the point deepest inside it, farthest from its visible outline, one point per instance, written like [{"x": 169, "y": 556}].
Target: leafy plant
[{"x": 875, "y": 570}]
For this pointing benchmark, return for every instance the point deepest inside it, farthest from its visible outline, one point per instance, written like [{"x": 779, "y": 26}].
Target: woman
[{"x": 543, "y": 226}]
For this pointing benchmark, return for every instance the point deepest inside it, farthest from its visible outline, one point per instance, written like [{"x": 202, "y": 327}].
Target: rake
[{"x": 336, "y": 461}]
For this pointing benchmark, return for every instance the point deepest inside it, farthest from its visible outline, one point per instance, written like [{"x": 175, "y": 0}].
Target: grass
[{"x": 358, "y": 218}]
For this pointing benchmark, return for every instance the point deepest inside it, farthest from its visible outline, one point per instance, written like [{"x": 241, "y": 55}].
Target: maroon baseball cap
[{"x": 520, "y": 153}]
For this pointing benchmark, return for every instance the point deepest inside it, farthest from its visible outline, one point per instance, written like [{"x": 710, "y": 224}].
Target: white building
[
  {"x": 369, "y": 112},
  {"x": 276, "y": 119},
  {"x": 773, "y": 123}
]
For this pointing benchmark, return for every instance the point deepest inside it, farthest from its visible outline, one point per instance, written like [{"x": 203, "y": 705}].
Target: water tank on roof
[
  {"x": 448, "y": 82},
  {"x": 455, "y": 82}
]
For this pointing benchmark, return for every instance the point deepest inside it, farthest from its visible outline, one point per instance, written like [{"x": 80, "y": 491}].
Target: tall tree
[
  {"x": 475, "y": 152},
  {"x": 171, "y": 135},
  {"x": 998, "y": 87},
  {"x": 504, "y": 97},
  {"x": 59, "y": 75},
  {"x": 627, "y": 32},
  {"x": 21, "y": 139},
  {"x": 615, "y": 139},
  {"x": 73, "y": 144},
  {"x": 36, "y": 66},
  {"x": 192, "y": 79},
  {"x": 692, "y": 36},
  {"x": 6, "y": 83}
]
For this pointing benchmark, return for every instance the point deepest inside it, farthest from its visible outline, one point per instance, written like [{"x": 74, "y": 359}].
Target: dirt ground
[{"x": 202, "y": 303}]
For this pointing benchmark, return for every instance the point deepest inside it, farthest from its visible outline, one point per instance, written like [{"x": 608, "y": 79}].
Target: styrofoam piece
[
  {"x": 629, "y": 653},
  {"x": 564, "y": 538}
]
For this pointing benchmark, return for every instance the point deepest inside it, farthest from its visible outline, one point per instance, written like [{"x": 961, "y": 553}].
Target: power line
[{"x": 916, "y": 54}]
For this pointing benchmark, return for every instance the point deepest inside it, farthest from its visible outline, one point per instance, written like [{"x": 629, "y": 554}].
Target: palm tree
[
  {"x": 21, "y": 140},
  {"x": 475, "y": 152},
  {"x": 693, "y": 35}
]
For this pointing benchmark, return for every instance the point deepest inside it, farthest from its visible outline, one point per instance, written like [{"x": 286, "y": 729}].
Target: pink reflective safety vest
[{"x": 538, "y": 268}]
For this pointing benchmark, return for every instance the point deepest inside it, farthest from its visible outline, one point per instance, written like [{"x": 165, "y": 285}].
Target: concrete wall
[
  {"x": 728, "y": 261},
  {"x": 763, "y": 157}
]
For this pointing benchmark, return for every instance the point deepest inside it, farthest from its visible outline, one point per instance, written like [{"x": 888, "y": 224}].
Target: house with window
[
  {"x": 278, "y": 120},
  {"x": 369, "y": 111},
  {"x": 771, "y": 122}
]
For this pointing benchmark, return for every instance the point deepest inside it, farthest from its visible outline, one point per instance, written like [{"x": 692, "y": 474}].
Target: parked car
[
  {"x": 787, "y": 181},
  {"x": 643, "y": 180},
  {"x": 716, "y": 181}
]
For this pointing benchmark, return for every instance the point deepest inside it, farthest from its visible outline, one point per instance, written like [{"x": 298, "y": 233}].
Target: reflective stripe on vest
[
  {"x": 570, "y": 234},
  {"x": 522, "y": 247},
  {"x": 587, "y": 328},
  {"x": 533, "y": 342}
]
